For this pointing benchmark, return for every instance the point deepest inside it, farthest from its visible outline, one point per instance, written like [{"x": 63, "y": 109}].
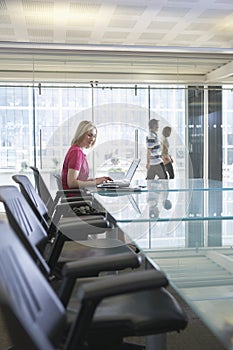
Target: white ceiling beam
[
  {"x": 220, "y": 73},
  {"x": 103, "y": 78}
]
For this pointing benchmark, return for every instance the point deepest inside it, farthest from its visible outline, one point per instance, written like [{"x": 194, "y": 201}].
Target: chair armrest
[
  {"x": 67, "y": 205},
  {"x": 122, "y": 284},
  {"x": 77, "y": 231},
  {"x": 74, "y": 190},
  {"x": 91, "y": 293},
  {"x": 64, "y": 208},
  {"x": 77, "y": 192},
  {"x": 75, "y": 199},
  {"x": 93, "y": 266},
  {"x": 64, "y": 193}
]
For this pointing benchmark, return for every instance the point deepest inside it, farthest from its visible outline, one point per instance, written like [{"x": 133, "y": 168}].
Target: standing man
[{"x": 155, "y": 165}]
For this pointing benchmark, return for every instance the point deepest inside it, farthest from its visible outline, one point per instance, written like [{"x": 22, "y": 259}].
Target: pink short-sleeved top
[{"x": 75, "y": 159}]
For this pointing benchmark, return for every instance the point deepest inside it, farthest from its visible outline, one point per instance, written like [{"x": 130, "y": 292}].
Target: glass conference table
[{"x": 185, "y": 228}]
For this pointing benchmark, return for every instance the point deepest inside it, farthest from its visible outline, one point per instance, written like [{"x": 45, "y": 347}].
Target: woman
[
  {"x": 167, "y": 159},
  {"x": 75, "y": 170}
]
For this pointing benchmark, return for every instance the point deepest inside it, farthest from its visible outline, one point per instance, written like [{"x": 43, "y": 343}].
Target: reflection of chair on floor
[
  {"x": 70, "y": 242},
  {"x": 110, "y": 308},
  {"x": 44, "y": 193}
]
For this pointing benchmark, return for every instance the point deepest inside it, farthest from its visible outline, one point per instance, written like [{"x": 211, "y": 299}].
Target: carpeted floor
[{"x": 195, "y": 337}]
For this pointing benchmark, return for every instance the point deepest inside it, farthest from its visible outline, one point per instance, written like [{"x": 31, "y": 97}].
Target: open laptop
[{"x": 125, "y": 182}]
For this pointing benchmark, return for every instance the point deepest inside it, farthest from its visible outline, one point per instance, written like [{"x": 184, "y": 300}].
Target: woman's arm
[{"x": 72, "y": 181}]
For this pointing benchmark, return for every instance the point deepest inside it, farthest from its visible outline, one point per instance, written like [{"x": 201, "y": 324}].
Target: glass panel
[
  {"x": 196, "y": 130},
  {"x": 121, "y": 114},
  {"x": 15, "y": 134},
  {"x": 227, "y": 126},
  {"x": 58, "y": 112},
  {"x": 215, "y": 133},
  {"x": 167, "y": 103}
]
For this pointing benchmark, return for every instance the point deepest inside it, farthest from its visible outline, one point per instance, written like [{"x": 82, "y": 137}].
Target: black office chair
[
  {"x": 59, "y": 217},
  {"x": 70, "y": 242},
  {"x": 81, "y": 195},
  {"x": 72, "y": 195},
  {"x": 60, "y": 213},
  {"x": 110, "y": 309},
  {"x": 43, "y": 190}
]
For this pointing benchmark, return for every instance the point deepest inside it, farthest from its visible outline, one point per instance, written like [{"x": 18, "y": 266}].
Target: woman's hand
[
  {"x": 100, "y": 180},
  {"x": 74, "y": 183}
]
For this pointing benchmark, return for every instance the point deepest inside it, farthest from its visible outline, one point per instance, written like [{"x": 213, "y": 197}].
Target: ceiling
[{"x": 141, "y": 41}]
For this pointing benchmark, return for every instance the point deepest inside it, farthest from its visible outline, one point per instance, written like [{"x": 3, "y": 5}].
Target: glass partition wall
[{"x": 38, "y": 123}]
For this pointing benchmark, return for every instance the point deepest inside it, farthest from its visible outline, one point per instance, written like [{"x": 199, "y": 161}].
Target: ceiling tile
[
  {"x": 173, "y": 12},
  {"x": 38, "y": 20},
  {"x": 161, "y": 25},
  {"x": 186, "y": 37},
  {"x": 115, "y": 35},
  {"x": 214, "y": 13},
  {"x": 127, "y": 10},
  {"x": 3, "y": 5},
  {"x": 154, "y": 36},
  {"x": 197, "y": 26},
  {"x": 83, "y": 8},
  {"x": 37, "y": 6},
  {"x": 5, "y": 19},
  {"x": 7, "y": 31},
  {"x": 40, "y": 32},
  {"x": 122, "y": 23},
  {"x": 78, "y": 34}
]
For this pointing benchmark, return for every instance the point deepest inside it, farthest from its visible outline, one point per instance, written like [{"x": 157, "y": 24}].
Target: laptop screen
[{"x": 132, "y": 169}]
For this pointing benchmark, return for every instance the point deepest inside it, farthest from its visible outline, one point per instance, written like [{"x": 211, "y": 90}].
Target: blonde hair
[{"x": 83, "y": 127}]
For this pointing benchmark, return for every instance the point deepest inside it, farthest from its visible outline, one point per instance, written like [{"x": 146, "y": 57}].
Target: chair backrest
[
  {"x": 23, "y": 220},
  {"x": 34, "y": 316},
  {"x": 58, "y": 181},
  {"x": 43, "y": 190},
  {"x": 79, "y": 193},
  {"x": 33, "y": 199}
]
